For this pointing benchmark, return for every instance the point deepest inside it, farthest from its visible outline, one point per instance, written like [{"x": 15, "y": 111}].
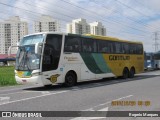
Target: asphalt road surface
[{"x": 141, "y": 93}]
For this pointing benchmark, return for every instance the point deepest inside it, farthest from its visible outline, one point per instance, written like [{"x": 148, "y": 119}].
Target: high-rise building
[
  {"x": 78, "y": 26},
  {"x": 97, "y": 28},
  {"x": 46, "y": 24},
  {"x": 11, "y": 31}
]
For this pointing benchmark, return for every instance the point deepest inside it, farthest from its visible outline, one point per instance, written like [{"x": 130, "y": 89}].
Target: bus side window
[
  {"x": 110, "y": 50},
  {"x": 125, "y": 48},
  {"x": 131, "y": 48},
  {"x": 72, "y": 44},
  {"x": 118, "y": 46},
  {"x": 89, "y": 45},
  {"x": 103, "y": 46},
  {"x": 139, "y": 49}
]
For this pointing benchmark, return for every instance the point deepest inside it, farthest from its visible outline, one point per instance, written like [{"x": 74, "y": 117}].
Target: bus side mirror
[
  {"x": 38, "y": 48},
  {"x": 9, "y": 50}
]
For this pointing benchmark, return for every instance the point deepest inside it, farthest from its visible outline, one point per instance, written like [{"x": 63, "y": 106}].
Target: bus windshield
[
  {"x": 26, "y": 58},
  {"x": 33, "y": 39}
]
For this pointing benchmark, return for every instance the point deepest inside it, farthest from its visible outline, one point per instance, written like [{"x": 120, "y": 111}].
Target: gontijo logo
[{"x": 119, "y": 57}]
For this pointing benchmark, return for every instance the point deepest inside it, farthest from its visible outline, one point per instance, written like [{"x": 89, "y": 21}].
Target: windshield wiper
[
  {"x": 27, "y": 61},
  {"x": 23, "y": 61},
  {"x": 21, "y": 56}
]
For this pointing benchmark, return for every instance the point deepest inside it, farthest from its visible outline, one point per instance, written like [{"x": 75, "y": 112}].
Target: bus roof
[
  {"x": 60, "y": 33},
  {"x": 88, "y": 36},
  {"x": 110, "y": 38}
]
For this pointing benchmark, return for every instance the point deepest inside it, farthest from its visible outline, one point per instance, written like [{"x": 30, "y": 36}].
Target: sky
[{"x": 136, "y": 20}]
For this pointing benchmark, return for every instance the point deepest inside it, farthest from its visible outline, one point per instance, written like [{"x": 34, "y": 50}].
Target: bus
[
  {"x": 56, "y": 58},
  {"x": 157, "y": 60},
  {"x": 149, "y": 61}
]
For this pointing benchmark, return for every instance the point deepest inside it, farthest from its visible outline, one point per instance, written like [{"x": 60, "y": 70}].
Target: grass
[{"x": 7, "y": 76}]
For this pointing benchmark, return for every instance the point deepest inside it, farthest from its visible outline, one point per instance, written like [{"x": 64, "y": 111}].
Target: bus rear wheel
[
  {"x": 70, "y": 79},
  {"x": 125, "y": 73},
  {"x": 132, "y": 72}
]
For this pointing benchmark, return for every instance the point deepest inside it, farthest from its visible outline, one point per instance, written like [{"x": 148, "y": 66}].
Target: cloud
[{"x": 129, "y": 19}]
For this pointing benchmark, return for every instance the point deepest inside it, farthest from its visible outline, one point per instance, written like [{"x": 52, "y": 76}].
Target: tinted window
[
  {"x": 89, "y": 45},
  {"x": 118, "y": 47},
  {"x": 157, "y": 56},
  {"x": 52, "y": 52},
  {"x": 132, "y": 48},
  {"x": 135, "y": 49},
  {"x": 126, "y": 48},
  {"x": 111, "y": 46},
  {"x": 72, "y": 44},
  {"x": 103, "y": 46},
  {"x": 139, "y": 49}
]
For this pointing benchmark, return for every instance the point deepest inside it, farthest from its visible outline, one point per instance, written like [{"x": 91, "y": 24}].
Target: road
[{"x": 101, "y": 95}]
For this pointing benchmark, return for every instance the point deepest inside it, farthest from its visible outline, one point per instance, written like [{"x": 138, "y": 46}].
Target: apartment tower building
[
  {"x": 46, "y": 24},
  {"x": 80, "y": 26},
  {"x": 11, "y": 31},
  {"x": 97, "y": 28}
]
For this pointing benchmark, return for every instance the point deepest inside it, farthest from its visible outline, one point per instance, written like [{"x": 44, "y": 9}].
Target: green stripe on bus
[
  {"x": 101, "y": 63},
  {"x": 91, "y": 63}
]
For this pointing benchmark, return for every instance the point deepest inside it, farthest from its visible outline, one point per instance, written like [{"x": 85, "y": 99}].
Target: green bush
[{"x": 7, "y": 76}]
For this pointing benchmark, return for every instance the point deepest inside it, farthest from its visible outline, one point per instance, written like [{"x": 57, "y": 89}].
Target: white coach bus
[{"x": 53, "y": 58}]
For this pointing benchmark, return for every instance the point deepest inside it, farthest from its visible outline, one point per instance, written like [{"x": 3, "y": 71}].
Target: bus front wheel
[{"x": 70, "y": 79}]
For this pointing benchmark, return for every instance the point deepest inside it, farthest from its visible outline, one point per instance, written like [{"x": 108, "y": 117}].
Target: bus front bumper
[{"x": 34, "y": 80}]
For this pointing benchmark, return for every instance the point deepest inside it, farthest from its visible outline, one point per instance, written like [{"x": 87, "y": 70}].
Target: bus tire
[
  {"x": 125, "y": 73},
  {"x": 132, "y": 72},
  {"x": 48, "y": 86},
  {"x": 70, "y": 79}
]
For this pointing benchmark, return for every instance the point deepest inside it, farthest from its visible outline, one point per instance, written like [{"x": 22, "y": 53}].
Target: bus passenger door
[{"x": 51, "y": 55}]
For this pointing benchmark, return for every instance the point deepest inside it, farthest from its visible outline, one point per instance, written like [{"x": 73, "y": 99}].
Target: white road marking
[
  {"x": 91, "y": 118},
  {"x": 123, "y": 97},
  {"x": 111, "y": 101},
  {"x": 33, "y": 97},
  {"x": 103, "y": 109},
  {"x": 75, "y": 88},
  {"x": 11, "y": 89},
  {"x": 45, "y": 92},
  {"x": 4, "y": 100},
  {"x": 15, "y": 93},
  {"x": 156, "y": 74},
  {"x": 11, "y": 86},
  {"x": 21, "y": 92},
  {"x": 15, "y": 89},
  {"x": 88, "y": 118}
]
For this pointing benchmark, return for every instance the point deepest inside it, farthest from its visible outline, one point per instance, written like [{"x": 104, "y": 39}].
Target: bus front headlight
[{"x": 36, "y": 74}]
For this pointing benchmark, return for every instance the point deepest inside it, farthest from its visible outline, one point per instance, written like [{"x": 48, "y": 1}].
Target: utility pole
[{"x": 156, "y": 38}]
